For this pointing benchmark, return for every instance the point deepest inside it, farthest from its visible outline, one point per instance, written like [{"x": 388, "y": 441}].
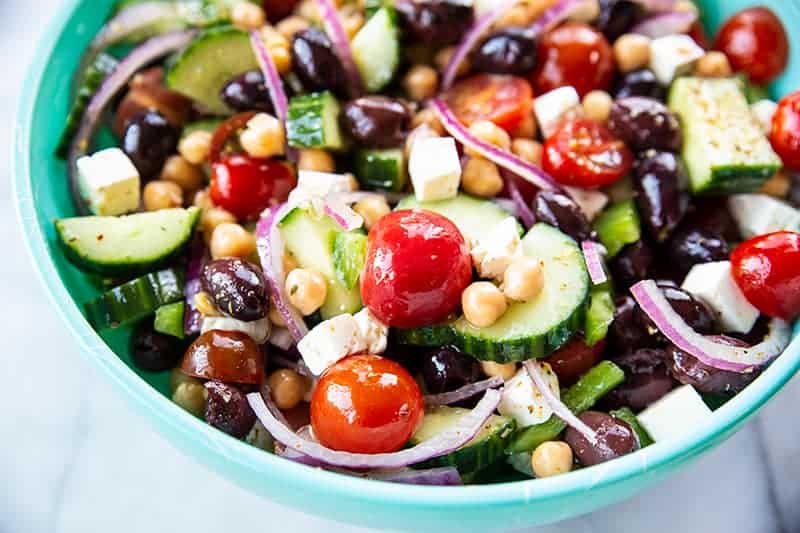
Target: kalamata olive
[
  {"x": 630, "y": 329},
  {"x": 574, "y": 359},
  {"x": 694, "y": 312},
  {"x": 644, "y": 124},
  {"x": 153, "y": 351},
  {"x": 646, "y": 379},
  {"x": 434, "y": 21},
  {"x": 149, "y": 140},
  {"x": 793, "y": 197},
  {"x": 559, "y": 210},
  {"x": 229, "y": 356},
  {"x": 377, "y": 121},
  {"x": 615, "y": 438},
  {"x": 756, "y": 334},
  {"x": 227, "y": 409},
  {"x": 692, "y": 247},
  {"x": 617, "y": 17},
  {"x": 641, "y": 82},
  {"x": 316, "y": 63},
  {"x": 661, "y": 197},
  {"x": 712, "y": 214},
  {"x": 445, "y": 369},
  {"x": 237, "y": 287},
  {"x": 632, "y": 264},
  {"x": 706, "y": 379},
  {"x": 247, "y": 92},
  {"x": 509, "y": 51}
]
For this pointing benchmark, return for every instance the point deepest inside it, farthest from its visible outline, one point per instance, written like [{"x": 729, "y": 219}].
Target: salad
[{"x": 439, "y": 241}]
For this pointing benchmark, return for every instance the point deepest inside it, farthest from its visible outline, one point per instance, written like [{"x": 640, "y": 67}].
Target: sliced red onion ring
[
  {"x": 130, "y": 20},
  {"x": 593, "y": 254},
  {"x": 270, "y": 251},
  {"x": 665, "y": 24},
  {"x": 141, "y": 56},
  {"x": 554, "y": 15},
  {"x": 523, "y": 209},
  {"x": 442, "y": 476},
  {"x": 444, "y": 443},
  {"x": 271, "y": 76},
  {"x": 198, "y": 256},
  {"x": 341, "y": 44},
  {"x": 506, "y": 205},
  {"x": 559, "y": 408},
  {"x": 507, "y": 160},
  {"x": 343, "y": 215},
  {"x": 716, "y": 354},
  {"x": 467, "y": 391},
  {"x": 281, "y": 338}
]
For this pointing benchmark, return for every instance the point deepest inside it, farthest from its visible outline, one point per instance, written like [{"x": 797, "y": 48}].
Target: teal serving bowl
[{"x": 42, "y": 195}]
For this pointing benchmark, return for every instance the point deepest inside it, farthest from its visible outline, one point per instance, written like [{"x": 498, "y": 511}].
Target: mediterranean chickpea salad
[{"x": 439, "y": 241}]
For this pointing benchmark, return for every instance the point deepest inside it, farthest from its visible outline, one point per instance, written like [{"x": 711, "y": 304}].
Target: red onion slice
[
  {"x": 523, "y": 209},
  {"x": 592, "y": 253},
  {"x": 130, "y": 20},
  {"x": 343, "y": 215},
  {"x": 442, "y": 476},
  {"x": 271, "y": 76},
  {"x": 341, "y": 44},
  {"x": 462, "y": 393},
  {"x": 451, "y": 439},
  {"x": 559, "y": 408},
  {"x": 270, "y": 251},
  {"x": 198, "y": 256},
  {"x": 665, "y": 24},
  {"x": 716, "y": 354}
]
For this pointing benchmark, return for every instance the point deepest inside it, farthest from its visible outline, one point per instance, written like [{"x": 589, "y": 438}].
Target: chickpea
[
  {"x": 205, "y": 305},
  {"x": 371, "y": 210},
  {"x": 685, "y": 5},
  {"x": 287, "y": 387},
  {"x": 212, "y": 218},
  {"x": 528, "y": 150},
  {"x": 442, "y": 58},
  {"x": 714, "y": 65},
  {"x": 523, "y": 279},
  {"x": 421, "y": 82},
  {"x": 481, "y": 177},
  {"x": 248, "y": 16},
  {"x": 282, "y": 57},
  {"x": 777, "y": 186},
  {"x": 632, "y": 52},
  {"x": 289, "y": 263},
  {"x": 264, "y": 136},
  {"x": 178, "y": 170},
  {"x": 490, "y": 133},
  {"x": 196, "y": 147},
  {"x": 528, "y": 128},
  {"x": 202, "y": 200},
  {"x": 483, "y": 304},
  {"x": 551, "y": 458},
  {"x": 160, "y": 194},
  {"x": 317, "y": 160},
  {"x": 231, "y": 240},
  {"x": 307, "y": 9},
  {"x": 192, "y": 397},
  {"x": 307, "y": 290},
  {"x": 597, "y": 105},
  {"x": 291, "y": 25},
  {"x": 523, "y": 13},
  {"x": 428, "y": 117},
  {"x": 505, "y": 371}
]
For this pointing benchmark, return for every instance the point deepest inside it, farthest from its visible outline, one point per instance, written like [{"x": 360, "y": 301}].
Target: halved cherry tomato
[
  {"x": 785, "y": 136},
  {"x": 224, "y": 132},
  {"x": 755, "y": 41},
  {"x": 767, "y": 269},
  {"x": 584, "y": 153},
  {"x": 417, "y": 266},
  {"x": 575, "y": 359},
  {"x": 246, "y": 186},
  {"x": 574, "y": 54},
  {"x": 366, "y": 404},
  {"x": 504, "y": 100},
  {"x": 228, "y": 356}
]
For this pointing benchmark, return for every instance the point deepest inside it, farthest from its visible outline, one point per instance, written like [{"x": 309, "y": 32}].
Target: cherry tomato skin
[
  {"x": 574, "y": 54},
  {"x": 245, "y": 186},
  {"x": 366, "y": 404},
  {"x": 585, "y": 153},
  {"x": 417, "y": 266},
  {"x": 785, "y": 136},
  {"x": 755, "y": 42},
  {"x": 574, "y": 359},
  {"x": 222, "y": 135},
  {"x": 767, "y": 269},
  {"x": 504, "y": 100},
  {"x": 227, "y": 356}
]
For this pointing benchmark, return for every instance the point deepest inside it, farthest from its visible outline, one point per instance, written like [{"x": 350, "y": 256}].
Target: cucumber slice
[
  {"x": 208, "y": 63},
  {"x": 313, "y": 122},
  {"x": 376, "y": 49},
  {"x": 381, "y": 169},
  {"x": 527, "y": 329},
  {"x": 599, "y": 314},
  {"x": 129, "y": 244},
  {"x": 169, "y": 319},
  {"x": 723, "y": 146},
  {"x": 372, "y": 6},
  {"x": 483, "y": 450},
  {"x": 349, "y": 255},
  {"x": 311, "y": 240},
  {"x": 473, "y": 216},
  {"x": 618, "y": 226},
  {"x": 135, "y": 300},
  {"x": 627, "y": 415}
]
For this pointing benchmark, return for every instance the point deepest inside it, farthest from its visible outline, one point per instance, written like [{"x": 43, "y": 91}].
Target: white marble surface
[{"x": 74, "y": 459}]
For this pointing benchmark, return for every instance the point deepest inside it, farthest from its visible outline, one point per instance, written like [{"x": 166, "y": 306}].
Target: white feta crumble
[
  {"x": 758, "y": 214},
  {"x": 258, "y": 330},
  {"x": 109, "y": 182},
  {"x": 523, "y": 401},
  {"x": 713, "y": 283},
  {"x": 677, "y": 413},
  {"x": 672, "y": 56},
  {"x": 435, "y": 168},
  {"x": 552, "y": 106},
  {"x": 492, "y": 254},
  {"x": 764, "y": 111}
]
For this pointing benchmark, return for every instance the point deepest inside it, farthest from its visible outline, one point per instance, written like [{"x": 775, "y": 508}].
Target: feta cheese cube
[
  {"x": 109, "y": 182},
  {"x": 313, "y": 187},
  {"x": 673, "y": 56},
  {"x": 435, "y": 168},
  {"x": 329, "y": 342},
  {"x": 258, "y": 330},
  {"x": 713, "y": 283},
  {"x": 591, "y": 202},
  {"x": 764, "y": 110},
  {"x": 497, "y": 249},
  {"x": 674, "y": 415},
  {"x": 373, "y": 334},
  {"x": 552, "y": 106},
  {"x": 757, "y": 214},
  {"x": 522, "y": 400}
]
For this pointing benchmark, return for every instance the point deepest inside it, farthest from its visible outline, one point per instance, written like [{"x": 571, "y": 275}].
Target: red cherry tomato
[
  {"x": 767, "y": 269},
  {"x": 574, "y": 54},
  {"x": 366, "y": 404},
  {"x": 785, "y": 136},
  {"x": 755, "y": 41},
  {"x": 504, "y": 100},
  {"x": 575, "y": 359},
  {"x": 417, "y": 266},
  {"x": 225, "y": 131},
  {"x": 245, "y": 186},
  {"x": 584, "y": 153}
]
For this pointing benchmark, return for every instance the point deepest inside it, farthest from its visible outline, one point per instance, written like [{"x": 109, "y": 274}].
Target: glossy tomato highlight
[
  {"x": 504, "y": 100},
  {"x": 246, "y": 186},
  {"x": 755, "y": 42},
  {"x": 785, "y": 135}
]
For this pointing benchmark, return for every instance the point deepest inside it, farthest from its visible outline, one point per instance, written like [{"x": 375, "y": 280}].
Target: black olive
[
  {"x": 153, "y": 351},
  {"x": 237, "y": 287},
  {"x": 438, "y": 22},
  {"x": 248, "y": 92},
  {"x": 644, "y": 123},
  {"x": 646, "y": 379},
  {"x": 640, "y": 83},
  {"x": 660, "y": 183},
  {"x": 315, "y": 62},
  {"x": 617, "y": 17},
  {"x": 559, "y": 210},
  {"x": 706, "y": 379},
  {"x": 227, "y": 409},
  {"x": 509, "y": 51},
  {"x": 615, "y": 438},
  {"x": 377, "y": 121},
  {"x": 445, "y": 370},
  {"x": 694, "y": 247},
  {"x": 149, "y": 140},
  {"x": 712, "y": 214},
  {"x": 632, "y": 264}
]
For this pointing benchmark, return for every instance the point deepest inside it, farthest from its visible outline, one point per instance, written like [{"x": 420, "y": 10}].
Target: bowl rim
[{"x": 277, "y": 470}]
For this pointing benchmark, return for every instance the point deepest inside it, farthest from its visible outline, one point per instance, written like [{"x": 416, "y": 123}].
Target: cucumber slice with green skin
[
  {"x": 349, "y": 255},
  {"x": 521, "y": 462},
  {"x": 169, "y": 319},
  {"x": 208, "y": 63},
  {"x": 599, "y": 314},
  {"x": 483, "y": 450},
  {"x": 313, "y": 122},
  {"x": 527, "y": 329},
  {"x": 723, "y": 146},
  {"x": 752, "y": 92},
  {"x": 581, "y": 396},
  {"x": 619, "y": 226},
  {"x": 372, "y": 6},
  {"x": 311, "y": 241},
  {"x": 135, "y": 300},
  {"x": 129, "y": 244},
  {"x": 376, "y": 49},
  {"x": 381, "y": 169},
  {"x": 627, "y": 415}
]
